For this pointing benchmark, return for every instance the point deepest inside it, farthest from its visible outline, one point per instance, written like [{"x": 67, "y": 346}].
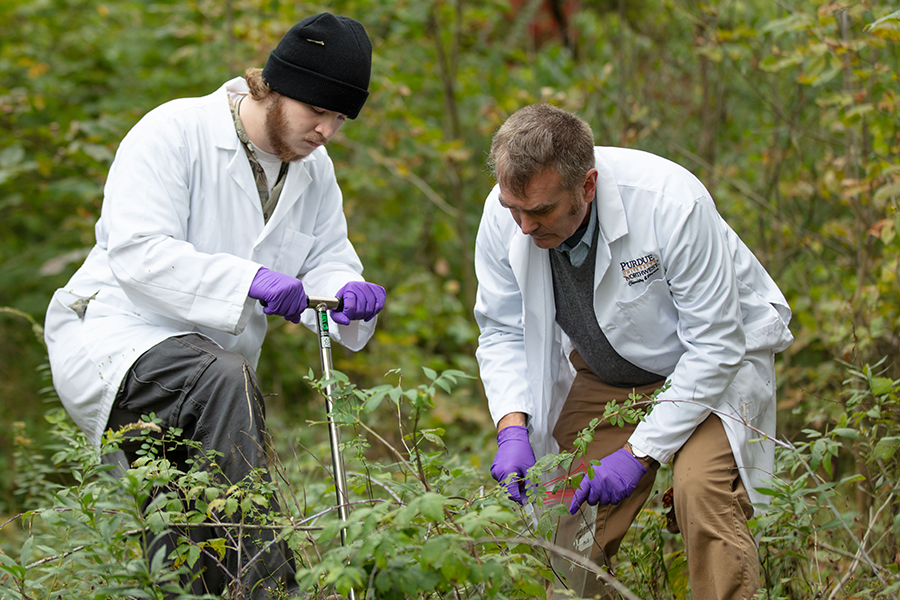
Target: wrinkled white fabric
[
  {"x": 676, "y": 293},
  {"x": 180, "y": 237}
]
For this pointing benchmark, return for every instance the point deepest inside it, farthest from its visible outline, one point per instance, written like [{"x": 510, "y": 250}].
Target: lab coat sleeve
[
  {"x": 498, "y": 312},
  {"x": 701, "y": 278},
  {"x": 333, "y": 262},
  {"x": 147, "y": 207}
]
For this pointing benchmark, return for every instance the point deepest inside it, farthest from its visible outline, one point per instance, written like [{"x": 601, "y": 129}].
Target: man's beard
[{"x": 276, "y": 124}]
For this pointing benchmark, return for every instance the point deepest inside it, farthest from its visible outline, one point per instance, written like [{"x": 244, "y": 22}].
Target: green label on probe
[{"x": 325, "y": 339}]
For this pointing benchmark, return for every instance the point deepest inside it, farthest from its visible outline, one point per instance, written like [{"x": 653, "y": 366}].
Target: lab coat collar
[
  {"x": 298, "y": 178},
  {"x": 225, "y": 137},
  {"x": 610, "y": 207}
]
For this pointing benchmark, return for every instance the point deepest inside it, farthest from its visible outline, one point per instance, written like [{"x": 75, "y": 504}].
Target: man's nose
[
  {"x": 328, "y": 126},
  {"x": 527, "y": 224}
]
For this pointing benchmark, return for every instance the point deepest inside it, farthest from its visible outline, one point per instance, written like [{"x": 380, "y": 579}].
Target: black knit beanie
[{"x": 324, "y": 61}]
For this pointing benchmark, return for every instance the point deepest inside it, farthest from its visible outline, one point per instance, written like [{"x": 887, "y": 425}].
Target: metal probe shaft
[{"x": 321, "y": 306}]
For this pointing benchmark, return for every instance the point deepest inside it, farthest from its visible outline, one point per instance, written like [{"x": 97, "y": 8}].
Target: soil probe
[{"x": 321, "y": 305}]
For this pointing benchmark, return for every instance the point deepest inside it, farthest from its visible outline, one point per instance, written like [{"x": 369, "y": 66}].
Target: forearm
[{"x": 511, "y": 419}]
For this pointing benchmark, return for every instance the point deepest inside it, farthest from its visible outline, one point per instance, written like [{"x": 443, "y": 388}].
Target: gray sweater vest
[{"x": 573, "y": 290}]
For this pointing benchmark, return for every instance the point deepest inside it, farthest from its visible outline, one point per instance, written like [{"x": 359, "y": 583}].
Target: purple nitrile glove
[
  {"x": 360, "y": 300},
  {"x": 614, "y": 479},
  {"x": 514, "y": 458},
  {"x": 280, "y": 294}
]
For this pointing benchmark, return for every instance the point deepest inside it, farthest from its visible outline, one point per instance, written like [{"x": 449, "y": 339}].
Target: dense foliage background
[{"x": 789, "y": 111}]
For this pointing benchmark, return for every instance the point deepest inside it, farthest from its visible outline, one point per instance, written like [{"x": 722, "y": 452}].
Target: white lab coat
[
  {"x": 180, "y": 237},
  {"x": 676, "y": 292}
]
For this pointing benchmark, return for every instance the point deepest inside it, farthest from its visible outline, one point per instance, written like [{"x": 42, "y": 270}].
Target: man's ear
[{"x": 590, "y": 185}]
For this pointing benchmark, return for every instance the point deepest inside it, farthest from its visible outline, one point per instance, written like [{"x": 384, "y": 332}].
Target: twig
[
  {"x": 393, "y": 450},
  {"x": 44, "y": 561},
  {"x": 246, "y": 526},
  {"x": 861, "y": 552},
  {"x": 33, "y": 513},
  {"x": 415, "y": 439},
  {"x": 371, "y": 479},
  {"x": 574, "y": 557},
  {"x": 837, "y": 514}
]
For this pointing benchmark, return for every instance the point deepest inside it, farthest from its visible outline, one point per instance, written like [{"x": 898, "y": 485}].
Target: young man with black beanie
[{"x": 218, "y": 211}]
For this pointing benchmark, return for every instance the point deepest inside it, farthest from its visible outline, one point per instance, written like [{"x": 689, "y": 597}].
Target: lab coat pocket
[
  {"x": 295, "y": 247},
  {"x": 651, "y": 317},
  {"x": 752, "y": 389}
]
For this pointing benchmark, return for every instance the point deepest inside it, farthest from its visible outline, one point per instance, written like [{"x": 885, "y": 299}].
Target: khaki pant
[{"x": 711, "y": 504}]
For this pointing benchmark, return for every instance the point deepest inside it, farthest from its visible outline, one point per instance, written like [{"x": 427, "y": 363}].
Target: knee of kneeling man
[
  {"x": 231, "y": 376},
  {"x": 231, "y": 367}
]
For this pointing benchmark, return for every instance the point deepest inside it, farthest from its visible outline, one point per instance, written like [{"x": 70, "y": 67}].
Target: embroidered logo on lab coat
[{"x": 640, "y": 269}]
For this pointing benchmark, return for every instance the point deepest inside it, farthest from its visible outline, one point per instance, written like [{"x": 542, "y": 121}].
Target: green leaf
[
  {"x": 852, "y": 479},
  {"x": 11, "y": 566},
  {"x": 846, "y": 432},
  {"x": 817, "y": 453},
  {"x": 887, "y": 447},
  {"x": 794, "y": 22},
  {"x": 190, "y": 557},
  {"x": 374, "y": 401},
  {"x": 214, "y": 506},
  {"x": 433, "y": 438},
  {"x": 882, "y": 385},
  {"x": 432, "y": 506},
  {"x": 217, "y": 545},
  {"x": 25, "y": 552},
  {"x": 454, "y": 569},
  {"x": 433, "y": 550},
  {"x": 826, "y": 463},
  {"x": 444, "y": 385},
  {"x": 231, "y": 506},
  {"x": 894, "y": 16}
]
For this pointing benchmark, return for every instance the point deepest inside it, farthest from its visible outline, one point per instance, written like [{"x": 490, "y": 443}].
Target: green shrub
[{"x": 425, "y": 520}]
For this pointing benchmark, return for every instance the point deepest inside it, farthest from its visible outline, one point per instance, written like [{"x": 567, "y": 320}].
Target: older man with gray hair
[{"x": 604, "y": 272}]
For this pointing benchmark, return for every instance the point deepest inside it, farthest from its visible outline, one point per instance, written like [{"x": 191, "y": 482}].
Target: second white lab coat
[{"x": 675, "y": 291}]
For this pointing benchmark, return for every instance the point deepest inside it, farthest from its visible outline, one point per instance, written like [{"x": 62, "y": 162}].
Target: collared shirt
[
  {"x": 577, "y": 247},
  {"x": 268, "y": 199}
]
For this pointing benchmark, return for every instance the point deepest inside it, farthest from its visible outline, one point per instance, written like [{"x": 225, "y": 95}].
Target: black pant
[{"x": 212, "y": 395}]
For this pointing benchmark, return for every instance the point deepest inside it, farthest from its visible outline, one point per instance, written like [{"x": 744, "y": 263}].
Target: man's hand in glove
[
  {"x": 615, "y": 478},
  {"x": 280, "y": 294},
  {"x": 514, "y": 458},
  {"x": 360, "y": 301}
]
